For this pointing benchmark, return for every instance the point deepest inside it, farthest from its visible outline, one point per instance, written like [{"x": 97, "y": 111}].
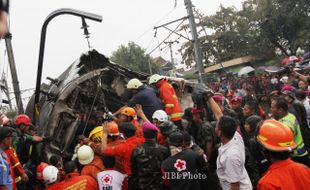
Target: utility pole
[
  {"x": 8, "y": 43},
  {"x": 196, "y": 43},
  {"x": 171, "y": 52}
]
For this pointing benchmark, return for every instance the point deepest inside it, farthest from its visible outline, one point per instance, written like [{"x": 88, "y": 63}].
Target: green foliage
[
  {"x": 133, "y": 57},
  {"x": 257, "y": 29}
]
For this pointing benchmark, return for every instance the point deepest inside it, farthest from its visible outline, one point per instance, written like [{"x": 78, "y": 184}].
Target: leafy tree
[
  {"x": 134, "y": 57},
  {"x": 285, "y": 23},
  {"x": 257, "y": 29}
]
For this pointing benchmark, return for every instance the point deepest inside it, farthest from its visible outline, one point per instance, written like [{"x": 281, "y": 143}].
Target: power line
[
  {"x": 166, "y": 37},
  {"x": 161, "y": 19}
]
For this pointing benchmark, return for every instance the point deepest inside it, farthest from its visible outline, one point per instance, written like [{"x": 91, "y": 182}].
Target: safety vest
[
  {"x": 291, "y": 121},
  {"x": 170, "y": 100}
]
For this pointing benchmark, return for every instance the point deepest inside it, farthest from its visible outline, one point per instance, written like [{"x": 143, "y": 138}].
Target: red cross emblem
[
  {"x": 180, "y": 165},
  {"x": 106, "y": 179}
]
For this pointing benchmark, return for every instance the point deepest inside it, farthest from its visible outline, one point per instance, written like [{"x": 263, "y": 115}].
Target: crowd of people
[
  {"x": 245, "y": 133},
  {"x": 227, "y": 142}
]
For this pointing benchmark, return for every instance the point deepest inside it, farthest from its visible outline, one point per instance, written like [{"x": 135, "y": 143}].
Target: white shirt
[
  {"x": 230, "y": 164},
  {"x": 307, "y": 107},
  {"x": 110, "y": 179}
]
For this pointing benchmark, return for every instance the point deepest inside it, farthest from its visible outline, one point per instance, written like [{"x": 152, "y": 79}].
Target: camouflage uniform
[{"x": 146, "y": 166}]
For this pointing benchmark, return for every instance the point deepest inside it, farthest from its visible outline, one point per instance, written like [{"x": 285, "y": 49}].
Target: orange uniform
[
  {"x": 118, "y": 164},
  {"x": 139, "y": 131},
  {"x": 75, "y": 181},
  {"x": 55, "y": 186},
  {"x": 284, "y": 175},
  {"x": 17, "y": 168},
  {"x": 93, "y": 168},
  {"x": 170, "y": 100},
  {"x": 123, "y": 151}
]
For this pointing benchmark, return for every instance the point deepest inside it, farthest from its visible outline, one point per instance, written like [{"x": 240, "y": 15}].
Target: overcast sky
[{"x": 123, "y": 21}]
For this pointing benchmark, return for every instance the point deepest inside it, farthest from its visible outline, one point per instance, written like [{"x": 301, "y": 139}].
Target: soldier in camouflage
[{"x": 146, "y": 161}]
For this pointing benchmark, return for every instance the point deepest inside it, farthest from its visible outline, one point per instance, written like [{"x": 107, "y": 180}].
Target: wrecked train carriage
[{"x": 90, "y": 87}]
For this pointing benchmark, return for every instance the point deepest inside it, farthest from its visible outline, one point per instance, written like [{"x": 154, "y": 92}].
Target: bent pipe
[{"x": 51, "y": 16}]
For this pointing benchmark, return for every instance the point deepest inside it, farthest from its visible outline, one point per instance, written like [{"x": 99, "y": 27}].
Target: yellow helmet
[{"x": 96, "y": 134}]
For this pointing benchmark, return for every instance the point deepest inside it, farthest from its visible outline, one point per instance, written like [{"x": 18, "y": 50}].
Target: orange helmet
[
  {"x": 275, "y": 136},
  {"x": 128, "y": 111},
  {"x": 40, "y": 169},
  {"x": 112, "y": 129}
]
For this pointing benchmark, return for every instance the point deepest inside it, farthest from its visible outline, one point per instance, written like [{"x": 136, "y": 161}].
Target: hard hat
[
  {"x": 85, "y": 154},
  {"x": 22, "y": 119},
  {"x": 160, "y": 115},
  {"x": 112, "y": 129},
  {"x": 40, "y": 169},
  {"x": 96, "y": 134},
  {"x": 128, "y": 111},
  {"x": 155, "y": 78},
  {"x": 275, "y": 136},
  {"x": 134, "y": 84},
  {"x": 50, "y": 174}
]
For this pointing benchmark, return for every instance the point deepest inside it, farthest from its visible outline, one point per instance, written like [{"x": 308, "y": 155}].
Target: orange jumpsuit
[
  {"x": 170, "y": 100},
  {"x": 17, "y": 168},
  {"x": 93, "y": 168},
  {"x": 123, "y": 151},
  {"x": 75, "y": 181},
  {"x": 285, "y": 174}
]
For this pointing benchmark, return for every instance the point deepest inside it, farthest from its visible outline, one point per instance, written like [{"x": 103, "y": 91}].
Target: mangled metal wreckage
[{"x": 71, "y": 104}]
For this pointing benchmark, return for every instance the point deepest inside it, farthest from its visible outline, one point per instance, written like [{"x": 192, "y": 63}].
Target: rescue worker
[
  {"x": 178, "y": 169},
  {"x": 22, "y": 143},
  {"x": 6, "y": 181},
  {"x": 128, "y": 114},
  {"x": 95, "y": 135},
  {"x": 51, "y": 178},
  {"x": 123, "y": 150},
  {"x": 19, "y": 175},
  {"x": 74, "y": 180},
  {"x": 146, "y": 161},
  {"x": 169, "y": 98},
  {"x": 92, "y": 164},
  {"x": 277, "y": 141},
  {"x": 144, "y": 96},
  {"x": 111, "y": 178},
  {"x": 158, "y": 117},
  {"x": 57, "y": 161},
  {"x": 39, "y": 181},
  {"x": 279, "y": 110}
]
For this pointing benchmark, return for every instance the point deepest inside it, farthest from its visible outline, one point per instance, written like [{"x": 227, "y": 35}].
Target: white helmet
[
  {"x": 50, "y": 174},
  {"x": 160, "y": 115},
  {"x": 85, "y": 154},
  {"x": 155, "y": 78},
  {"x": 134, "y": 84}
]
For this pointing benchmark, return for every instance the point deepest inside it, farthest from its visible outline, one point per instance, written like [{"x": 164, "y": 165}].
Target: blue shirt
[
  {"x": 5, "y": 177},
  {"x": 147, "y": 98}
]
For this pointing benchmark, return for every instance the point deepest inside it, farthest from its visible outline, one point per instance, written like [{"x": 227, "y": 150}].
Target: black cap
[
  {"x": 127, "y": 127},
  {"x": 176, "y": 139},
  {"x": 5, "y": 132}
]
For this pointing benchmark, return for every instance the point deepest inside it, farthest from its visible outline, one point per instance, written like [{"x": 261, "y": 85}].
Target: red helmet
[
  {"x": 40, "y": 169},
  {"x": 22, "y": 119}
]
